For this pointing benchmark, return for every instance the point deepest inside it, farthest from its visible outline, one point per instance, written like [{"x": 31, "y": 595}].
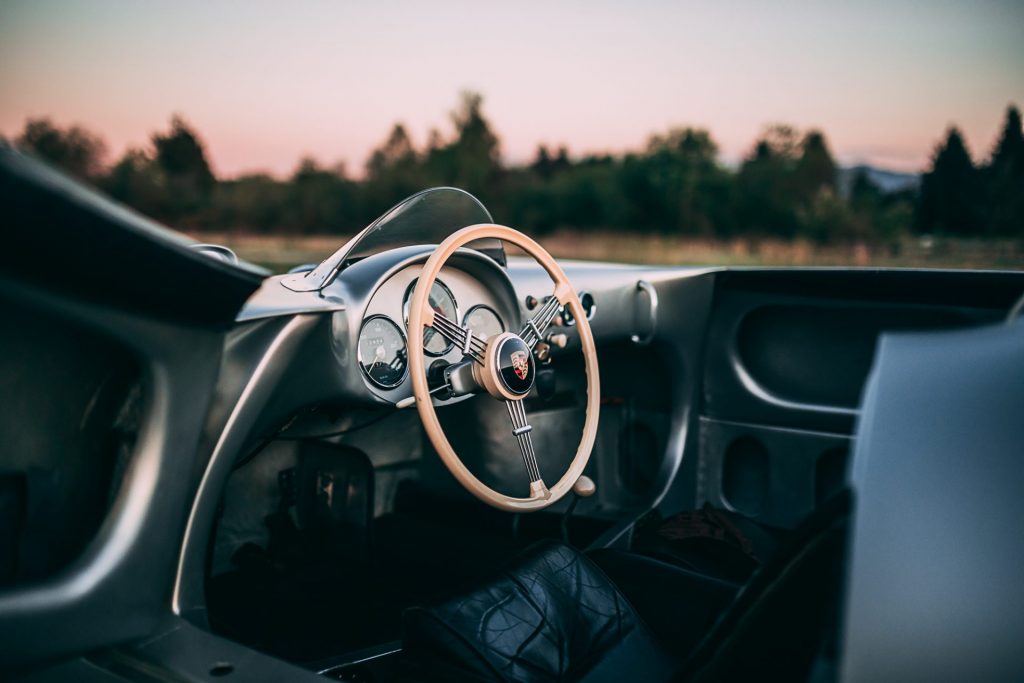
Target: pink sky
[{"x": 267, "y": 84}]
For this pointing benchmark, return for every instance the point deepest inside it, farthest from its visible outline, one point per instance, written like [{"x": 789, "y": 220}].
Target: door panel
[
  {"x": 788, "y": 353},
  {"x": 113, "y": 332}
]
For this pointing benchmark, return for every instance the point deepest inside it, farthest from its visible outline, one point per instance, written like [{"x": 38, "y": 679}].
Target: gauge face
[
  {"x": 442, "y": 301},
  {"x": 382, "y": 352},
  {"x": 483, "y": 322}
]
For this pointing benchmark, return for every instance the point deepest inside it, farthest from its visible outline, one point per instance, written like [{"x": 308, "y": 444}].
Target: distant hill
[{"x": 887, "y": 181}]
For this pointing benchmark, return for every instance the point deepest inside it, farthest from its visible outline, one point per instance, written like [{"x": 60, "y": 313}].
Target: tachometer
[
  {"x": 483, "y": 322},
  {"x": 442, "y": 301},
  {"x": 382, "y": 353}
]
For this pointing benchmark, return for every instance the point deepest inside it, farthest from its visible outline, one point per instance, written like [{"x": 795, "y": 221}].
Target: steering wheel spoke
[
  {"x": 462, "y": 337},
  {"x": 521, "y": 429},
  {"x": 537, "y": 326}
]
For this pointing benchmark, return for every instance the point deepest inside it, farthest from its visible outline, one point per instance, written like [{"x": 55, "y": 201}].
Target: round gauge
[
  {"x": 442, "y": 301},
  {"x": 382, "y": 353},
  {"x": 483, "y": 322}
]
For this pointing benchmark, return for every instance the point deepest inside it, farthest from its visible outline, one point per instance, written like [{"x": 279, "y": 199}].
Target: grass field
[{"x": 280, "y": 252}]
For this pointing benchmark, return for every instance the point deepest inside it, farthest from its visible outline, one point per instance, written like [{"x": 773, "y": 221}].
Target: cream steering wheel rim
[{"x": 421, "y": 316}]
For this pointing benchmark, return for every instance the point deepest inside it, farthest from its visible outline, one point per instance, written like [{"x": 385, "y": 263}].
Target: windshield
[{"x": 427, "y": 217}]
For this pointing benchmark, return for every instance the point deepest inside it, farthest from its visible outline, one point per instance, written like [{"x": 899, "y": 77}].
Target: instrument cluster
[{"x": 382, "y": 349}]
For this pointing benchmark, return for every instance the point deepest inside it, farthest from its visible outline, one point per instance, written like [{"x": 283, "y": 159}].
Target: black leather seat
[{"x": 553, "y": 615}]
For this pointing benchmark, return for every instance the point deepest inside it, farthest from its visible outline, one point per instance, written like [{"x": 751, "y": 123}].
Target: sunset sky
[{"x": 265, "y": 84}]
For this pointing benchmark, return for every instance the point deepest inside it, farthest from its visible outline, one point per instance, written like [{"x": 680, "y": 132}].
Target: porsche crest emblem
[{"x": 520, "y": 364}]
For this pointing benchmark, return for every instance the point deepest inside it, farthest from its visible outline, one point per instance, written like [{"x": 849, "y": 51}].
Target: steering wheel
[{"x": 504, "y": 366}]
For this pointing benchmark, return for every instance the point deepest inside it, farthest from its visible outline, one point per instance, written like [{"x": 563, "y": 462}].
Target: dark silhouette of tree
[
  {"x": 768, "y": 198},
  {"x": 180, "y": 155},
  {"x": 816, "y": 169},
  {"x": 561, "y": 162},
  {"x": 472, "y": 159},
  {"x": 397, "y": 153},
  {"x": 393, "y": 171},
  {"x": 822, "y": 215},
  {"x": 1010, "y": 147},
  {"x": 684, "y": 172},
  {"x": 877, "y": 214},
  {"x": 1004, "y": 178},
  {"x": 137, "y": 181},
  {"x": 74, "y": 149},
  {"x": 786, "y": 187},
  {"x": 319, "y": 199},
  {"x": 254, "y": 203},
  {"x": 543, "y": 165},
  {"x": 864, "y": 194},
  {"x": 948, "y": 202}
]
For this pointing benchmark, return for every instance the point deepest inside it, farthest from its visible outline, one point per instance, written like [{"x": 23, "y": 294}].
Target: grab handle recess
[{"x": 652, "y": 293}]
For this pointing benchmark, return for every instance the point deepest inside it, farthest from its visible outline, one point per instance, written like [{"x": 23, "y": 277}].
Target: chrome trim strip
[
  {"x": 285, "y": 337},
  {"x": 272, "y": 300},
  {"x": 359, "y": 350}
]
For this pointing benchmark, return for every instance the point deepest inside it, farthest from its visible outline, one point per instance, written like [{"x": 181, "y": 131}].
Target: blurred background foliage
[{"x": 788, "y": 189}]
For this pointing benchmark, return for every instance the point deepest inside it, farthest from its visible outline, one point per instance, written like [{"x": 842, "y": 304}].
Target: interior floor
[{"x": 323, "y": 592}]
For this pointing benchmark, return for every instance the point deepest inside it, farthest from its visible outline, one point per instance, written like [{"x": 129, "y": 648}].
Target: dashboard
[{"x": 365, "y": 362}]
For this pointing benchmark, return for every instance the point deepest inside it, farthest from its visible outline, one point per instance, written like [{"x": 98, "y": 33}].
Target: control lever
[
  {"x": 447, "y": 381},
  {"x": 583, "y": 488}
]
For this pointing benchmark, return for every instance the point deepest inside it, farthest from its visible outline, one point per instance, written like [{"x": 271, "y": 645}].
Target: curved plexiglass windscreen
[{"x": 427, "y": 217}]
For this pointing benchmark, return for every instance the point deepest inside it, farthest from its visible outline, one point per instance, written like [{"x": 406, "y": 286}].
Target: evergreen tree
[
  {"x": 1004, "y": 179},
  {"x": 949, "y": 203},
  {"x": 543, "y": 165},
  {"x": 396, "y": 154},
  {"x": 393, "y": 172},
  {"x": 768, "y": 200},
  {"x": 319, "y": 199},
  {"x": 472, "y": 159},
  {"x": 816, "y": 170},
  {"x": 180, "y": 155}
]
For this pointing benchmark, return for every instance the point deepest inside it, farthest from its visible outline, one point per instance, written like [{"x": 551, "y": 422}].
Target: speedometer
[
  {"x": 382, "y": 353},
  {"x": 442, "y": 301},
  {"x": 483, "y": 322}
]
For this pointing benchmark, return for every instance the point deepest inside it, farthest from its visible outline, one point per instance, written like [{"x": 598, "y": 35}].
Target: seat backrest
[{"x": 935, "y": 588}]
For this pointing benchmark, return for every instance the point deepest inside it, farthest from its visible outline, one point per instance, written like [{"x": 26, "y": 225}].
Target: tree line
[{"x": 787, "y": 186}]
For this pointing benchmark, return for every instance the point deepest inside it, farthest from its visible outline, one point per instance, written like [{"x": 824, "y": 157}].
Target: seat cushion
[
  {"x": 550, "y": 616},
  {"x": 678, "y": 605}
]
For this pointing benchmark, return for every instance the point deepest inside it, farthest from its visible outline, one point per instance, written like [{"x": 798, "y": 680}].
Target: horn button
[
  {"x": 508, "y": 370},
  {"x": 515, "y": 365}
]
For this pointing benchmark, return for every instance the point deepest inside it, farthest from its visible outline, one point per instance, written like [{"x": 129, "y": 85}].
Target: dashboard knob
[
  {"x": 584, "y": 487},
  {"x": 559, "y": 340}
]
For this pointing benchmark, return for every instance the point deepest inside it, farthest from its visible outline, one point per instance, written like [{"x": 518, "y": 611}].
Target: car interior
[{"x": 259, "y": 477}]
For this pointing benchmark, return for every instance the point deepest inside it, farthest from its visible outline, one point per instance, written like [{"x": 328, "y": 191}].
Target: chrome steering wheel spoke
[
  {"x": 537, "y": 326},
  {"x": 521, "y": 430},
  {"x": 462, "y": 337}
]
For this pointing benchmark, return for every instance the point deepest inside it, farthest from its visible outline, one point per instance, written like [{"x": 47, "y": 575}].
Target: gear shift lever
[{"x": 583, "y": 488}]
